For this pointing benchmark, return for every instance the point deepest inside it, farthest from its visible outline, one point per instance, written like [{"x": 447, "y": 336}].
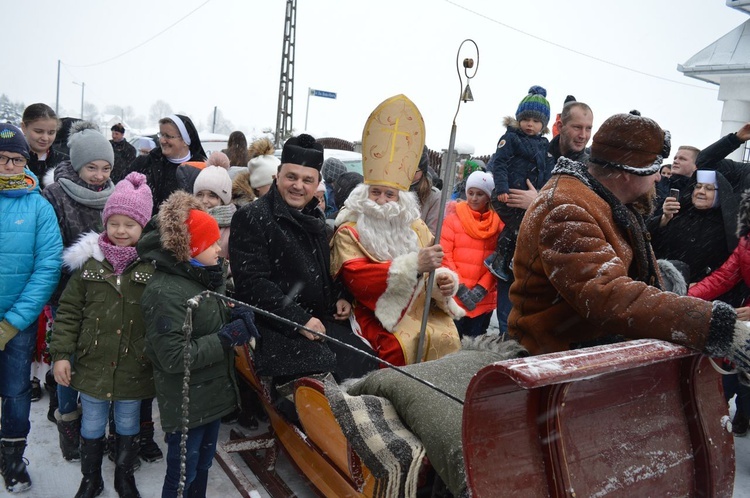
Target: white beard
[{"x": 385, "y": 231}]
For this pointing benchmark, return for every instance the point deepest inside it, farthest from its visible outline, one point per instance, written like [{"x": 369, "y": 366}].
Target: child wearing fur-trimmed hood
[{"x": 183, "y": 246}]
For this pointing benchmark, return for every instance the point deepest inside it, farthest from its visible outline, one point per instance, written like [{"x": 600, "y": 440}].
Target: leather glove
[
  {"x": 7, "y": 332},
  {"x": 466, "y": 296}
]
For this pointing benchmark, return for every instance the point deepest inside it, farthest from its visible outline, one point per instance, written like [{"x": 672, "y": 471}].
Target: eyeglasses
[
  {"x": 165, "y": 136},
  {"x": 710, "y": 187},
  {"x": 17, "y": 161}
]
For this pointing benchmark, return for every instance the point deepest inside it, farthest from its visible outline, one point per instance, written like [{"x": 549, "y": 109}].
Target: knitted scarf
[
  {"x": 626, "y": 217},
  {"x": 478, "y": 225},
  {"x": 95, "y": 199},
  {"x": 223, "y": 214},
  {"x": 16, "y": 185},
  {"x": 119, "y": 257}
]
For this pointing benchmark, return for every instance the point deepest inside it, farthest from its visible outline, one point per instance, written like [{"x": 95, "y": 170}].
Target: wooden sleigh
[{"x": 639, "y": 418}]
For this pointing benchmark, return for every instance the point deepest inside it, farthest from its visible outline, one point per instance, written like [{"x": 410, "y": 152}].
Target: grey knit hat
[
  {"x": 332, "y": 169},
  {"x": 87, "y": 145}
]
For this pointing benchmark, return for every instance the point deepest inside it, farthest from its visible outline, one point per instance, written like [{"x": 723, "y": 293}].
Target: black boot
[
  {"x": 149, "y": 450},
  {"x": 92, "y": 451},
  {"x": 69, "y": 429},
  {"x": 13, "y": 466},
  {"x": 51, "y": 386},
  {"x": 127, "y": 454}
]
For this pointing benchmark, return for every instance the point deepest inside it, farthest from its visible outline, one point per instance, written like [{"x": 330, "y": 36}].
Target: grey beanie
[
  {"x": 332, "y": 169},
  {"x": 87, "y": 145}
]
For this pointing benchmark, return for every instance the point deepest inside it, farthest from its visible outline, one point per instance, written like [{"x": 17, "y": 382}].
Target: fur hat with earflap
[{"x": 186, "y": 229}]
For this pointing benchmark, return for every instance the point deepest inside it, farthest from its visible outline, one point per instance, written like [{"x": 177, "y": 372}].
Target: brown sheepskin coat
[{"x": 575, "y": 278}]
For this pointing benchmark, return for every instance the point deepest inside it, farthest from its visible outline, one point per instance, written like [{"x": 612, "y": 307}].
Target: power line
[
  {"x": 577, "y": 52},
  {"x": 145, "y": 41}
]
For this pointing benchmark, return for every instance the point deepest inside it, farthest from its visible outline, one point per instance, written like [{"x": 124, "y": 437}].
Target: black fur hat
[{"x": 304, "y": 151}]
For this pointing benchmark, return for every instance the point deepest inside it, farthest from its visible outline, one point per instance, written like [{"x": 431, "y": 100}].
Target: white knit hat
[
  {"x": 262, "y": 170},
  {"x": 217, "y": 180},
  {"x": 481, "y": 180}
]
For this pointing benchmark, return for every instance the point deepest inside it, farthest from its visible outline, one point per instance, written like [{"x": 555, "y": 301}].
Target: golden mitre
[{"x": 392, "y": 143}]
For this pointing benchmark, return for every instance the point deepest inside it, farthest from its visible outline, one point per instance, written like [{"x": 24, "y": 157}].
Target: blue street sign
[{"x": 322, "y": 93}]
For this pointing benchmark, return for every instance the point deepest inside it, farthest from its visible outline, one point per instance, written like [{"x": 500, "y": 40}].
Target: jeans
[
  {"x": 67, "y": 397},
  {"x": 473, "y": 327},
  {"x": 96, "y": 415},
  {"x": 15, "y": 384},
  {"x": 503, "y": 305},
  {"x": 201, "y": 446}
]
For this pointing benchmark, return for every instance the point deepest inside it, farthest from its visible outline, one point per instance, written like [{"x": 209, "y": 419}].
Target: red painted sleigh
[{"x": 640, "y": 418}]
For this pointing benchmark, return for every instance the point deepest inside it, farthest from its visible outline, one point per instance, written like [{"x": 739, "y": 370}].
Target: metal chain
[{"x": 187, "y": 329}]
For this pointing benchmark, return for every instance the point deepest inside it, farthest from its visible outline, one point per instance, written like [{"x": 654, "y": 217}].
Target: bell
[{"x": 467, "y": 96}]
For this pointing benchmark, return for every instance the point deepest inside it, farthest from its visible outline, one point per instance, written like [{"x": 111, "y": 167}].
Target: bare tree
[
  {"x": 223, "y": 125},
  {"x": 159, "y": 109},
  {"x": 90, "y": 112}
]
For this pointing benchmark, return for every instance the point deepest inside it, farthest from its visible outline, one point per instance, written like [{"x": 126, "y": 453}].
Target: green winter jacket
[
  {"x": 213, "y": 388},
  {"x": 99, "y": 326}
]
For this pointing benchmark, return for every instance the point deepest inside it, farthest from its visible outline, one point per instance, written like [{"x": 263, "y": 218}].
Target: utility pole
[
  {"x": 286, "y": 79},
  {"x": 57, "y": 96},
  {"x": 213, "y": 126}
]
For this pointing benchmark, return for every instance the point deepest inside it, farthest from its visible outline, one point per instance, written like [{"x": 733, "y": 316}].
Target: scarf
[
  {"x": 478, "y": 225},
  {"x": 16, "y": 185},
  {"x": 223, "y": 214},
  {"x": 214, "y": 273},
  {"x": 630, "y": 221},
  {"x": 119, "y": 257},
  {"x": 308, "y": 218},
  {"x": 95, "y": 199}
]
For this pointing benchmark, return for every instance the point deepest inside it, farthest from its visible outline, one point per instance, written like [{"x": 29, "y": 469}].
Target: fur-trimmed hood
[
  {"x": 83, "y": 249},
  {"x": 242, "y": 192},
  {"x": 172, "y": 222},
  {"x": 511, "y": 123}
]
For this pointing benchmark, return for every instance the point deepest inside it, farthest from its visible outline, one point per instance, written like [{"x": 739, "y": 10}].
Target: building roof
[{"x": 728, "y": 55}]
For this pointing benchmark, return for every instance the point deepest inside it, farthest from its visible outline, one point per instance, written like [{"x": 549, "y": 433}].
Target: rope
[{"x": 187, "y": 329}]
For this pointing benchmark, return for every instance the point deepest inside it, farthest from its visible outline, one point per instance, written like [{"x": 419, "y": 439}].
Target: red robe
[{"x": 389, "y": 299}]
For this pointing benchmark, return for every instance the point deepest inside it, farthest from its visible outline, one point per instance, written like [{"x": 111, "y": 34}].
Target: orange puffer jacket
[{"x": 465, "y": 254}]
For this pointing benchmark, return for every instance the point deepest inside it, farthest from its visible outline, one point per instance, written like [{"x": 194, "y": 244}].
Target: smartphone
[{"x": 673, "y": 192}]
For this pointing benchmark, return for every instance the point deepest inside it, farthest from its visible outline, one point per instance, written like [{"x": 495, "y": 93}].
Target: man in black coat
[
  {"x": 124, "y": 153},
  {"x": 281, "y": 263}
]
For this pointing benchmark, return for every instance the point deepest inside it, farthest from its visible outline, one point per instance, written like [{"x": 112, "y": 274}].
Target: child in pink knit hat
[{"x": 98, "y": 343}]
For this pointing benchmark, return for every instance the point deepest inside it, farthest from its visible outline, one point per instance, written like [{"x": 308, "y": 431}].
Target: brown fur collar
[
  {"x": 172, "y": 218},
  {"x": 242, "y": 192}
]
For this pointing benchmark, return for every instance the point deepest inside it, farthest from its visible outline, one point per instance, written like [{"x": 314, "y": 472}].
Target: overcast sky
[{"x": 227, "y": 54}]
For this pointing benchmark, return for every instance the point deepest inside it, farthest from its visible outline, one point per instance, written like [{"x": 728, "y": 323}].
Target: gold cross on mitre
[{"x": 392, "y": 143}]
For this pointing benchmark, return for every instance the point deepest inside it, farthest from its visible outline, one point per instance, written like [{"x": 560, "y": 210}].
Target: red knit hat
[{"x": 203, "y": 229}]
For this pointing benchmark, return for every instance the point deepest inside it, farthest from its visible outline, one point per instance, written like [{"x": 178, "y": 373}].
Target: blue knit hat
[
  {"x": 12, "y": 140},
  {"x": 534, "y": 106}
]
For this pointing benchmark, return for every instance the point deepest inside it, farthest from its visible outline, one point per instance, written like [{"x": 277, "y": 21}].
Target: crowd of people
[{"x": 570, "y": 246}]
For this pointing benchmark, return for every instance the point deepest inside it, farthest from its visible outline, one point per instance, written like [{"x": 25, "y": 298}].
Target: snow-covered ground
[{"x": 53, "y": 477}]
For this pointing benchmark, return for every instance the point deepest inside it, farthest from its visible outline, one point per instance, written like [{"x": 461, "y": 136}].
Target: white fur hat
[
  {"x": 481, "y": 180},
  {"x": 217, "y": 180},
  {"x": 262, "y": 170}
]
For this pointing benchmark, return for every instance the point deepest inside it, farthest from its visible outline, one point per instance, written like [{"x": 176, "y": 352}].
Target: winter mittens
[
  {"x": 7, "y": 332},
  {"x": 240, "y": 330},
  {"x": 471, "y": 297}
]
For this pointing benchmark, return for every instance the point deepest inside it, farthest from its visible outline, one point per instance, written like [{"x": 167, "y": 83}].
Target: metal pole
[
  {"x": 447, "y": 171},
  {"x": 213, "y": 127},
  {"x": 57, "y": 95},
  {"x": 307, "y": 109},
  {"x": 83, "y": 87}
]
